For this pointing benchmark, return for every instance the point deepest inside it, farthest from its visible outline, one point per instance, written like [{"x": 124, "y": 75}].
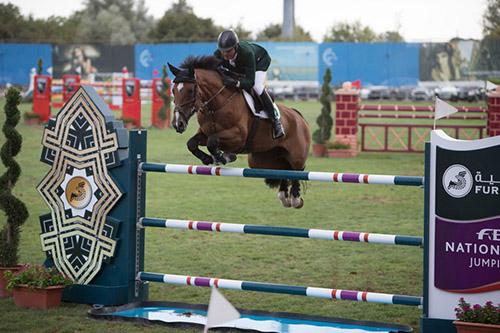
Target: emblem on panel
[{"x": 80, "y": 145}]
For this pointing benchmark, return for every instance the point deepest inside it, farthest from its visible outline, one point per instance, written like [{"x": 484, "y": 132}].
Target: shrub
[
  {"x": 324, "y": 120},
  {"x": 14, "y": 209}
]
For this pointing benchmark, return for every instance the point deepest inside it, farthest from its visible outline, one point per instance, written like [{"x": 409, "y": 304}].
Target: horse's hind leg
[
  {"x": 283, "y": 193},
  {"x": 295, "y": 200}
]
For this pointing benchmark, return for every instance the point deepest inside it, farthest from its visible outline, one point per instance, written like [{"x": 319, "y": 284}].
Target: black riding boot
[{"x": 267, "y": 102}]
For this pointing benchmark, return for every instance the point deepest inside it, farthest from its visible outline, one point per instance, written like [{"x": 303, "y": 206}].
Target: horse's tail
[{"x": 272, "y": 183}]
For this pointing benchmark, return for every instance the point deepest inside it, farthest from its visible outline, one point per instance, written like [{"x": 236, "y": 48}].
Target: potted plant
[
  {"x": 324, "y": 120},
  {"x": 340, "y": 149},
  {"x": 37, "y": 286},
  {"x": 15, "y": 210},
  {"x": 477, "y": 318},
  {"x": 31, "y": 118}
]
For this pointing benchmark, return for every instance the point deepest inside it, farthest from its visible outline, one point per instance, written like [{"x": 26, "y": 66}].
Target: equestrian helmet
[{"x": 227, "y": 40}]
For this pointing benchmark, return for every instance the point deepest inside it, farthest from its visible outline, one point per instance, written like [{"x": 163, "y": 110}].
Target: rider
[{"x": 252, "y": 61}]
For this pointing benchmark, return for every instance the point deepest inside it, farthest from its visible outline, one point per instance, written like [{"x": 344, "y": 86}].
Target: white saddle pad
[{"x": 251, "y": 105}]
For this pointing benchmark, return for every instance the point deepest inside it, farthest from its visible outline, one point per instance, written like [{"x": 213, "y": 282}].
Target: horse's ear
[{"x": 173, "y": 69}]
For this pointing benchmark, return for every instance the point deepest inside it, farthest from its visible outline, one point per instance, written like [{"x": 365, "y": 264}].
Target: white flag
[
  {"x": 220, "y": 311},
  {"x": 490, "y": 86},
  {"x": 443, "y": 109}
]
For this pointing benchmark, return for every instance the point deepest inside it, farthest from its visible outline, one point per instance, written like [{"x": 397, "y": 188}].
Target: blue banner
[
  {"x": 17, "y": 60},
  {"x": 150, "y": 57},
  {"x": 391, "y": 64},
  {"x": 290, "y": 61}
]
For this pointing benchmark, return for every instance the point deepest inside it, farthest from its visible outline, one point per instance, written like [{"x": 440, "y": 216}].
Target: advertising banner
[
  {"x": 464, "y": 223},
  {"x": 87, "y": 60}
]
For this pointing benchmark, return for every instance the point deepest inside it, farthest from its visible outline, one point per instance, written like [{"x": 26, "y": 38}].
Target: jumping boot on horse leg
[{"x": 267, "y": 102}]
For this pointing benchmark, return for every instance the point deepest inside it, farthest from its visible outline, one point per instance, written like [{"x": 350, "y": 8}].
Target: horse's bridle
[
  {"x": 192, "y": 100},
  {"x": 205, "y": 105}
]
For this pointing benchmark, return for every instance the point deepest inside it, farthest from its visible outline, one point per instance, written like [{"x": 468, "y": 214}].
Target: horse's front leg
[
  {"x": 199, "y": 139},
  {"x": 213, "y": 143}
]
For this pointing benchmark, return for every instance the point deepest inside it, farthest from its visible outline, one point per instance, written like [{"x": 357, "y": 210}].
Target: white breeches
[{"x": 260, "y": 80}]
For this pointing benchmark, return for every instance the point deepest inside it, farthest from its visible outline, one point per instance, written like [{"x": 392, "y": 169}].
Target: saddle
[{"x": 252, "y": 100}]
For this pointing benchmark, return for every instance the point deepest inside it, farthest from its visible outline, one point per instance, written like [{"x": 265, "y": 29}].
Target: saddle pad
[{"x": 251, "y": 105}]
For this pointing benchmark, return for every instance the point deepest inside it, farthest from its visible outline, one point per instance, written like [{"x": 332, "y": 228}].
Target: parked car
[
  {"x": 421, "y": 94},
  {"x": 447, "y": 92},
  {"x": 379, "y": 92},
  {"x": 470, "y": 94},
  {"x": 389, "y": 93},
  {"x": 364, "y": 93}
]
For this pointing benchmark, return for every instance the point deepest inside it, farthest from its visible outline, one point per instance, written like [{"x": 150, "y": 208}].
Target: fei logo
[
  {"x": 490, "y": 234},
  {"x": 457, "y": 181}
]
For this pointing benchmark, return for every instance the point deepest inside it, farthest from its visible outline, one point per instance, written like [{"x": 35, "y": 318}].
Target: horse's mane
[{"x": 203, "y": 62}]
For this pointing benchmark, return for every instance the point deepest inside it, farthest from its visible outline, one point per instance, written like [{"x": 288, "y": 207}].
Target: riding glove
[{"x": 230, "y": 82}]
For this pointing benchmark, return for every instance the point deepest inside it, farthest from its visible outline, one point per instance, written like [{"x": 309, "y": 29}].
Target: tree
[
  {"x": 242, "y": 33},
  {"x": 491, "y": 19},
  {"x": 180, "y": 24},
  {"x": 114, "y": 22},
  {"x": 273, "y": 32},
  {"x": 350, "y": 32},
  {"x": 390, "y": 36},
  {"x": 11, "y": 22},
  {"x": 15, "y": 210}
]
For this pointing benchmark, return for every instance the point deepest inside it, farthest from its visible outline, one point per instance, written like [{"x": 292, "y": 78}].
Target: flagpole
[{"x": 435, "y": 109}]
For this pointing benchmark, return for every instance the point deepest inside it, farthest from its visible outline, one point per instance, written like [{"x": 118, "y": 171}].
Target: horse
[{"x": 227, "y": 127}]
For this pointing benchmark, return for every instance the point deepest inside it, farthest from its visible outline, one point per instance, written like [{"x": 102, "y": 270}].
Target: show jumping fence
[
  {"x": 281, "y": 231},
  {"x": 122, "y": 158},
  {"x": 396, "y": 136}
]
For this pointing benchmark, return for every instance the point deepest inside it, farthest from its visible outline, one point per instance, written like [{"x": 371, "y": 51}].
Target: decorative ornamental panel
[{"x": 81, "y": 144}]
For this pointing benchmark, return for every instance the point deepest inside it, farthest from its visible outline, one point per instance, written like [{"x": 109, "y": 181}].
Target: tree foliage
[
  {"x": 272, "y": 32},
  {"x": 391, "y": 36},
  {"x": 356, "y": 32},
  {"x": 104, "y": 21},
  {"x": 491, "y": 19},
  {"x": 242, "y": 33},
  {"x": 114, "y": 22},
  {"x": 14, "y": 27},
  {"x": 180, "y": 24}
]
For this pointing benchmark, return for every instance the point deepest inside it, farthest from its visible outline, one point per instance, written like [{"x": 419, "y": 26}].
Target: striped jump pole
[
  {"x": 335, "y": 177},
  {"x": 351, "y": 295},
  {"x": 337, "y": 235}
]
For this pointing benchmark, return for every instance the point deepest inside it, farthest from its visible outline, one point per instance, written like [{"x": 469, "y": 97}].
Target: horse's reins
[{"x": 204, "y": 106}]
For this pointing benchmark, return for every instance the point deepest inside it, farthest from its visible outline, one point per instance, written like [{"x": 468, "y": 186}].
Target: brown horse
[{"x": 227, "y": 126}]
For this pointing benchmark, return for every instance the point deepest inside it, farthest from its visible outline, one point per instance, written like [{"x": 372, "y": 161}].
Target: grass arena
[{"x": 370, "y": 267}]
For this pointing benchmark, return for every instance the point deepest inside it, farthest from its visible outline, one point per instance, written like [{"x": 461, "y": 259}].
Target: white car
[{"x": 447, "y": 92}]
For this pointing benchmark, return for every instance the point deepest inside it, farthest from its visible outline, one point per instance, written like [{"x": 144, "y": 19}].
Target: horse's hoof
[
  {"x": 285, "y": 200},
  {"x": 207, "y": 160},
  {"x": 219, "y": 160},
  {"x": 230, "y": 157},
  {"x": 297, "y": 202}
]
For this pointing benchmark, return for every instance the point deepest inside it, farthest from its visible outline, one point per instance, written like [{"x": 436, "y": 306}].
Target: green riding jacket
[{"x": 250, "y": 58}]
